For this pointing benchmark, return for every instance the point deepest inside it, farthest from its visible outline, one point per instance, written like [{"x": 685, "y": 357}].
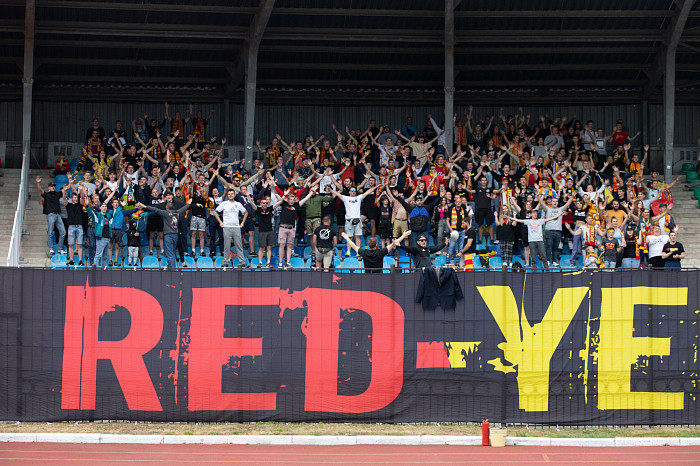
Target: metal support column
[
  {"x": 646, "y": 137},
  {"x": 27, "y": 81},
  {"x": 251, "y": 72},
  {"x": 13, "y": 258},
  {"x": 449, "y": 72},
  {"x": 669, "y": 112}
]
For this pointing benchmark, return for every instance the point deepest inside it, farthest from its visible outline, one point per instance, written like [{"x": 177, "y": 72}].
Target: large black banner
[{"x": 567, "y": 348}]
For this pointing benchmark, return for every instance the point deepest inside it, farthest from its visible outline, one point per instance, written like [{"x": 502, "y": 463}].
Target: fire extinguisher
[{"x": 485, "y": 432}]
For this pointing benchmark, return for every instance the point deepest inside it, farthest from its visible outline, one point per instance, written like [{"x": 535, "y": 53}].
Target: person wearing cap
[
  {"x": 52, "y": 210},
  {"x": 630, "y": 249},
  {"x": 421, "y": 252},
  {"x": 171, "y": 215}
]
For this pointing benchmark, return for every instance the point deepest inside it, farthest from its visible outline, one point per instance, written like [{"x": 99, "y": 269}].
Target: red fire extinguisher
[{"x": 485, "y": 432}]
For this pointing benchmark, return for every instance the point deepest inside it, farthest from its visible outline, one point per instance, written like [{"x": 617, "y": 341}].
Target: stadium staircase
[
  {"x": 34, "y": 245},
  {"x": 8, "y": 204},
  {"x": 686, "y": 213}
]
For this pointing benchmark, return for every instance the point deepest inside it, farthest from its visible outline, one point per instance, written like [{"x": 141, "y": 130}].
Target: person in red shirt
[{"x": 620, "y": 136}]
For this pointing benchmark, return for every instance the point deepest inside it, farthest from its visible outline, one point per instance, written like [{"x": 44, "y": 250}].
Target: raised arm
[{"x": 350, "y": 242}]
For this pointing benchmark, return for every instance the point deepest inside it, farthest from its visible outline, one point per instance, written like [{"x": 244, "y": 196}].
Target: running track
[{"x": 106, "y": 454}]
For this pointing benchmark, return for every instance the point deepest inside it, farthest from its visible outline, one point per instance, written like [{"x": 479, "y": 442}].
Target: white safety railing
[{"x": 16, "y": 239}]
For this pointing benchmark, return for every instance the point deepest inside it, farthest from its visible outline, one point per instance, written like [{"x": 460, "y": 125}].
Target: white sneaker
[{"x": 555, "y": 264}]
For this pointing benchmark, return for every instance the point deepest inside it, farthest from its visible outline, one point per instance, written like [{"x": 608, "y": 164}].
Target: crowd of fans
[{"x": 521, "y": 189}]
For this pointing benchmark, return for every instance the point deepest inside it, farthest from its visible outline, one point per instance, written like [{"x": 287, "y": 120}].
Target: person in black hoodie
[
  {"x": 133, "y": 241},
  {"x": 421, "y": 252}
]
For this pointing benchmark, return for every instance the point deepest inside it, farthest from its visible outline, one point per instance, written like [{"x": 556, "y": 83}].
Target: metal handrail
[{"x": 16, "y": 238}]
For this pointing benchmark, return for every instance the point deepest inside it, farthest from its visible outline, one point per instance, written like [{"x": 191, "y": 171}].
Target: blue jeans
[
  {"x": 610, "y": 264},
  {"x": 91, "y": 243},
  {"x": 216, "y": 235},
  {"x": 102, "y": 245},
  {"x": 170, "y": 245},
  {"x": 55, "y": 221},
  {"x": 454, "y": 247},
  {"x": 630, "y": 263},
  {"x": 552, "y": 238}
]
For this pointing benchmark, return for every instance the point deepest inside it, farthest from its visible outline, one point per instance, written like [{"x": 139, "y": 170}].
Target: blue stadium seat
[
  {"x": 496, "y": 262},
  {"x": 59, "y": 261},
  {"x": 150, "y": 262},
  {"x": 350, "y": 264},
  {"x": 297, "y": 263},
  {"x": 440, "y": 261},
  {"x": 189, "y": 263},
  {"x": 204, "y": 263},
  {"x": 73, "y": 163},
  {"x": 307, "y": 252},
  {"x": 387, "y": 263},
  {"x": 218, "y": 262},
  {"x": 138, "y": 263}
]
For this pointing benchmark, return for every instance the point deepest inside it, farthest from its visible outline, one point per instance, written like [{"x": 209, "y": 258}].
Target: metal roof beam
[
  {"x": 501, "y": 35},
  {"x": 672, "y": 37},
  {"x": 214, "y": 46},
  {"x": 147, "y": 6},
  {"x": 140, "y": 30},
  {"x": 267, "y": 47},
  {"x": 593, "y": 82},
  {"x": 128, "y": 62},
  {"x": 43, "y": 79}
]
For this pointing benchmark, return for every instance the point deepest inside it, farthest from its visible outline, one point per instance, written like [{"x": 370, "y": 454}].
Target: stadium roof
[{"x": 357, "y": 51}]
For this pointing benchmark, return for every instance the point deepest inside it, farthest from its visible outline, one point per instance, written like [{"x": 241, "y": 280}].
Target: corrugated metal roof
[{"x": 344, "y": 44}]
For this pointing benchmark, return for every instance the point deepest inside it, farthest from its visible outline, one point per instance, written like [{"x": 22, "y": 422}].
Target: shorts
[
  {"x": 155, "y": 223},
  {"x": 353, "y": 230},
  {"x": 372, "y": 212},
  {"x": 325, "y": 258},
  {"x": 286, "y": 236},
  {"x": 266, "y": 239},
  {"x": 312, "y": 224},
  {"x": 522, "y": 234},
  {"x": 400, "y": 227},
  {"x": 484, "y": 215},
  {"x": 198, "y": 224},
  {"x": 117, "y": 236},
  {"x": 75, "y": 235},
  {"x": 248, "y": 226},
  {"x": 384, "y": 230}
]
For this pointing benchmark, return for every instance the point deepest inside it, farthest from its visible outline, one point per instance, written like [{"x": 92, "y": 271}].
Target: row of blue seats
[{"x": 350, "y": 264}]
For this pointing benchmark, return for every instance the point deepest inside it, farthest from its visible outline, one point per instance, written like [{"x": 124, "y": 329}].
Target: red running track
[{"x": 106, "y": 454}]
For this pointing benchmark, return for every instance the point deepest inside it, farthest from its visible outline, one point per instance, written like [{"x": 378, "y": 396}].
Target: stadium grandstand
[{"x": 302, "y": 145}]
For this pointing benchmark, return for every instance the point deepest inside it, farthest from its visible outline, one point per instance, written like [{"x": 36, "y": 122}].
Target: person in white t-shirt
[
  {"x": 231, "y": 226},
  {"x": 655, "y": 242},
  {"x": 353, "y": 204}
]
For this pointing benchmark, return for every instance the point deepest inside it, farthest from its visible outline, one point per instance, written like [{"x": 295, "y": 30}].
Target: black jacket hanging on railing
[{"x": 439, "y": 287}]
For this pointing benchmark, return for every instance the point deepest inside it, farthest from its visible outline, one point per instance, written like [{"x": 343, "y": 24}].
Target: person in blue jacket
[{"x": 103, "y": 232}]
